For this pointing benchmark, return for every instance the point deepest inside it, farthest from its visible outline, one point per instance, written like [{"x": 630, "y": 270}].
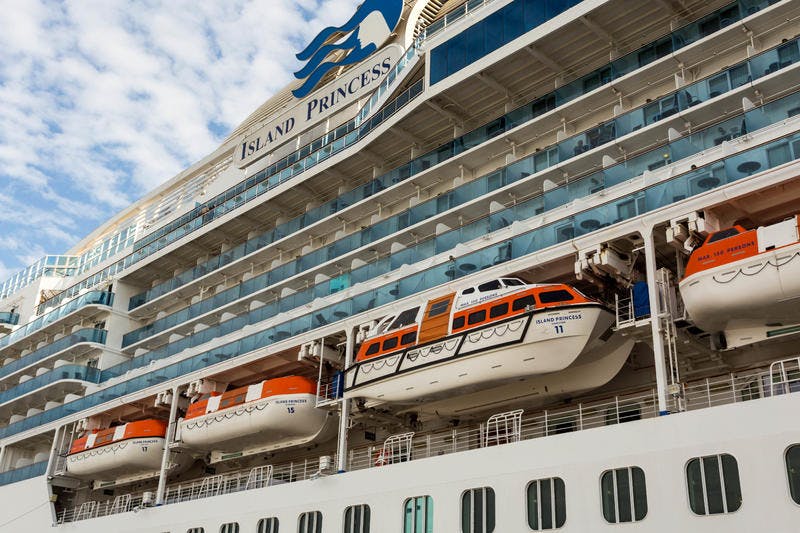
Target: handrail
[{"x": 85, "y": 335}]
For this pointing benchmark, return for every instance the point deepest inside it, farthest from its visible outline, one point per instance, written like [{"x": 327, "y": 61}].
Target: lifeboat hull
[
  {"x": 762, "y": 291},
  {"x": 118, "y": 459},
  {"x": 272, "y": 423},
  {"x": 538, "y": 342}
]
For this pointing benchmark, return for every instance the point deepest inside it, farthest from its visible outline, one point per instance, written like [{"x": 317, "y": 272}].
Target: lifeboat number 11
[{"x": 559, "y": 329}]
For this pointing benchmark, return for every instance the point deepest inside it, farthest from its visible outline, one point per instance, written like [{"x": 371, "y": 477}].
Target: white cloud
[{"x": 105, "y": 99}]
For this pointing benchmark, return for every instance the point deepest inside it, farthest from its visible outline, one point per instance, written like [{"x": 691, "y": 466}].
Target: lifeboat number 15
[
  {"x": 290, "y": 410},
  {"x": 559, "y": 329}
]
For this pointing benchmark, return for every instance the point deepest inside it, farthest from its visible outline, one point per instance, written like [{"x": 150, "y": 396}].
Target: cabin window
[
  {"x": 511, "y": 282},
  {"x": 624, "y": 495},
  {"x": 230, "y": 527},
  {"x": 551, "y": 297},
  {"x": 468, "y": 291},
  {"x": 547, "y": 504},
  {"x": 267, "y": 525},
  {"x": 521, "y": 303},
  {"x": 458, "y": 322},
  {"x": 195, "y": 530},
  {"x": 498, "y": 310},
  {"x": 713, "y": 484},
  {"x": 310, "y": 522},
  {"x": 724, "y": 234},
  {"x": 388, "y": 344},
  {"x": 418, "y": 515},
  {"x": 406, "y": 318},
  {"x": 490, "y": 286},
  {"x": 477, "y": 511},
  {"x": 373, "y": 348},
  {"x": 476, "y": 317},
  {"x": 408, "y": 338},
  {"x": 439, "y": 308},
  {"x": 793, "y": 471},
  {"x": 356, "y": 519}
]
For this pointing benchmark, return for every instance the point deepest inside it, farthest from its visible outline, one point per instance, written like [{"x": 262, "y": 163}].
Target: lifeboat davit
[
  {"x": 743, "y": 286},
  {"x": 127, "y": 450},
  {"x": 475, "y": 338},
  {"x": 275, "y": 413}
]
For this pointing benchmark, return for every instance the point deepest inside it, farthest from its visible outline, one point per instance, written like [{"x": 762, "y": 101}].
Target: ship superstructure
[{"x": 493, "y": 266}]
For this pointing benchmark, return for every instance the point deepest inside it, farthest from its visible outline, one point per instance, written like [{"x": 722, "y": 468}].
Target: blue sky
[{"x": 103, "y": 100}]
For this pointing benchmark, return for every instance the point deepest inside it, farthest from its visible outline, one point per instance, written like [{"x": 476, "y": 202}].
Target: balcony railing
[
  {"x": 81, "y": 336},
  {"x": 21, "y": 474},
  {"x": 7, "y": 317},
  {"x": 61, "y": 373}
]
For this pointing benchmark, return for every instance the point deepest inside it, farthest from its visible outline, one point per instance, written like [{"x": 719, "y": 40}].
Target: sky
[{"x": 103, "y": 100}]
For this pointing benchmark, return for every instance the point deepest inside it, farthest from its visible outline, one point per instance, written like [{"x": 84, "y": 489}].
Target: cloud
[{"x": 104, "y": 100}]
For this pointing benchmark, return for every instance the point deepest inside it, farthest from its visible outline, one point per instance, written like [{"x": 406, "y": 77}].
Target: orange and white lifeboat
[
  {"x": 743, "y": 286},
  {"x": 275, "y": 413},
  {"x": 130, "y": 449},
  {"x": 481, "y": 335}
]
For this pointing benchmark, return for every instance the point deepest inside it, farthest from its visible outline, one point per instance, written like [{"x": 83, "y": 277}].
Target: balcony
[{"x": 76, "y": 344}]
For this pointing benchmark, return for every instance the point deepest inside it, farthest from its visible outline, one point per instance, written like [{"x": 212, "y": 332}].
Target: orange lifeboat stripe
[{"x": 724, "y": 251}]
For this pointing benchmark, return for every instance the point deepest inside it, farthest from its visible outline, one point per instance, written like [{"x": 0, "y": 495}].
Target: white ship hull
[
  {"x": 528, "y": 345},
  {"x": 275, "y": 422}
]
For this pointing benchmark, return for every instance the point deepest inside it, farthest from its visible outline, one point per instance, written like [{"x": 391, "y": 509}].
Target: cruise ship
[{"x": 484, "y": 266}]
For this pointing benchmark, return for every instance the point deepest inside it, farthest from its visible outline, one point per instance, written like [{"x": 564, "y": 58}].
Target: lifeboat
[
  {"x": 742, "y": 286},
  {"x": 474, "y": 338},
  {"x": 275, "y": 413},
  {"x": 126, "y": 450}
]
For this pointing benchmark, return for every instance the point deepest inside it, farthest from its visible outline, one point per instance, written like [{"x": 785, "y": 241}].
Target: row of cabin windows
[
  {"x": 391, "y": 343},
  {"x": 712, "y": 484}
]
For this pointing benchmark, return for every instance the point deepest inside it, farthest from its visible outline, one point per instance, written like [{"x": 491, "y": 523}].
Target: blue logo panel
[{"x": 359, "y": 37}]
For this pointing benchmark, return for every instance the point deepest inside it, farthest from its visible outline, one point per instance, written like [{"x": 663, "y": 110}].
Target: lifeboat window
[
  {"x": 498, "y": 310},
  {"x": 624, "y": 495},
  {"x": 230, "y": 527},
  {"x": 490, "y": 286},
  {"x": 458, "y": 322},
  {"x": 724, "y": 234},
  {"x": 438, "y": 308},
  {"x": 104, "y": 439},
  {"x": 418, "y": 516},
  {"x": 356, "y": 519},
  {"x": 267, "y": 525},
  {"x": 513, "y": 282},
  {"x": 468, "y": 291},
  {"x": 477, "y": 511},
  {"x": 195, "y": 530},
  {"x": 551, "y": 297},
  {"x": 388, "y": 344},
  {"x": 793, "y": 470},
  {"x": 406, "y": 318},
  {"x": 547, "y": 507},
  {"x": 310, "y": 522},
  {"x": 713, "y": 484},
  {"x": 373, "y": 348},
  {"x": 477, "y": 316},
  {"x": 521, "y": 303},
  {"x": 408, "y": 338}
]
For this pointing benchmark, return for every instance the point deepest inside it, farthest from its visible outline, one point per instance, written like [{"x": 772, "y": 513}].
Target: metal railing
[{"x": 781, "y": 377}]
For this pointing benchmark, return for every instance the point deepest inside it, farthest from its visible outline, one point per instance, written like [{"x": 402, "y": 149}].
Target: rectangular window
[
  {"x": 438, "y": 308},
  {"x": 310, "y": 522},
  {"x": 624, "y": 495},
  {"x": 356, "y": 519},
  {"x": 476, "y": 317},
  {"x": 713, "y": 484},
  {"x": 408, "y": 338},
  {"x": 195, "y": 530},
  {"x": 551, "y": 297},
  {"x": 458, "y": 322},
  {"x": 373, "y": 348},
  {"x": 267, "y": 525},
  {"x": 388, "y": 344},
  {"x": 230, "y": 527},
  {"x": 521, "y": 303},
  {"x": 477, "y": 511},
  {"x": 498, "y": 310},
  {"x": 547, "y": 506},
  {"x": 418, "y": 515}
]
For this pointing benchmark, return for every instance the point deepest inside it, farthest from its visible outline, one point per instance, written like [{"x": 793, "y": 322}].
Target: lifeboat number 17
[{"x": 559, "y": 329}]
